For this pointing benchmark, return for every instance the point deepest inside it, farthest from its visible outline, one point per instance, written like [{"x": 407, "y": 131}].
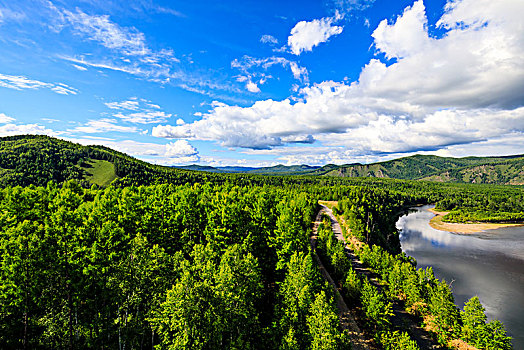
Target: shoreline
[{"x": 437, "y": 223}]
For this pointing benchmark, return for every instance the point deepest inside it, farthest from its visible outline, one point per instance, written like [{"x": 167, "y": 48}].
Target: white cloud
[
  {"x": 4, "y": 119},
  {"x": 103, "y": 125},
  {"x": 7, "y": 14},
  {"x": 179, "y": 152},
  {"x": 131, "y": 104},
  {"x": 20, "y": 83},
  {"x": 268, "y": 39},
  {"x": 81, "y": 68},
  {"x": 407, "y": 36},
  {"x": 465, "y": 87},
  {"x": 63, "y": 89},
  {"x": 163, "y": 73},
  {"x": 180, "y": 148},
  {"x": 298, "y": 72},
  {"x": 252, "y": 87},
  {"x": 250, "y": 68},
  {"x": 144, "y": 112},
  {"x": 130, "y": 53},
  {"x": 346, "y": 6},
  {"x": 128, "y": 41},
  {"x": 24, "y": 129},
  {"x": 306, "y": 35},
  {"x": 145, "y": 117}
]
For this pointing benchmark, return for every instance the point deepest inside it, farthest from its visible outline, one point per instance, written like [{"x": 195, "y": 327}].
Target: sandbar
[{"x": 437, "y": 223}]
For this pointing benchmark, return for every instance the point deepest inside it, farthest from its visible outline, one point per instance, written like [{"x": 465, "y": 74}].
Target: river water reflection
[{"x": 488, "y": 264}]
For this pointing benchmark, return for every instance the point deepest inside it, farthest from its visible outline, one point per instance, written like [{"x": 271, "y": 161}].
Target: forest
[{"x": 174, "y": 259}]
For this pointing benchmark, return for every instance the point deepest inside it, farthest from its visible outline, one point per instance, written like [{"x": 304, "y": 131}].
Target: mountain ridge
[{"x": 37, "y": 159}]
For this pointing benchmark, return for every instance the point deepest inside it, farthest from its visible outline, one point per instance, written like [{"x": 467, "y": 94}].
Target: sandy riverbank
[{"x": 438, "y": 224}]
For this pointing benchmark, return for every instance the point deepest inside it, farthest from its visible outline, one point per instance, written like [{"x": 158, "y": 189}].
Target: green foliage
[
  {"x": 445, "y": 314},
  {"x": 166, "y": 266},
  {"x": 292, "y": 228},
  {"x": 477, "y": 332},
  {"x": 473, "y": 318},
  {"x": 209, "y": 260},
  {"x": 493, "y": 170},
  {"x": 332, "y": 251},
  {"x": 371, "y": 216},
  {"x": 323, "y": 326},
  {"x": 377, "y": 309},
  {"x": 397, "y": 341},
  {"x": 297, "y": 293},
  {"x": 212, "y": 305},
  {"x": 352, "y": 285}
]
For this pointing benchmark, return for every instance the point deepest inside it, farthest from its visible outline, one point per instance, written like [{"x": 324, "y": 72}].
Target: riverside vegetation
[{"x": 175, "y": 259}]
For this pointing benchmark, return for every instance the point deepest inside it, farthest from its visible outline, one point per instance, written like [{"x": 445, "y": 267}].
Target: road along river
[{"x": 489, "y": 264}]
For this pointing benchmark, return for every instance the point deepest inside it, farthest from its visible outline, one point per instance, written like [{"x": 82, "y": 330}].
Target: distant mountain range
[
  {"x": 273, "y": 170},
  {"x": 507, "y": 170},
  {"x": 31, "y": 159}
]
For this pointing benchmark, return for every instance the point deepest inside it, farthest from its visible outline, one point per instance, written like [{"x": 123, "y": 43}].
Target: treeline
[
  {"x": 193, "y": 266},
  {"x": 36, "y": 160},
  {"x": 465, "y": 202},
  {"x": 421, "y": 293}
]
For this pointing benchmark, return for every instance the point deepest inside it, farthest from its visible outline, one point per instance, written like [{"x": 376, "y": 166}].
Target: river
[{"x": 488, "y": 264}]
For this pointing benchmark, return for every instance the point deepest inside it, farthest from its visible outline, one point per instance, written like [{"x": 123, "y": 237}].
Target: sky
[{"x": 260, "y": 83}]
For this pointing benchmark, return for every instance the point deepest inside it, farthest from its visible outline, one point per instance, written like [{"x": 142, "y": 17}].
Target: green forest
[{"x": 99, "y": 250}]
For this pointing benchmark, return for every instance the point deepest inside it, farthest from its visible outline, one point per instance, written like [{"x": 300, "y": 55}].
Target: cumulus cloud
[
  {"x": 18, "y": 82},
  {"x": 173, "y": 153},
  {"x": 166, "y": 154},
  {"x": 180, "y": 148},
  {"x": 271, "y": 123},
  {"x": 252, "y": 87},
  {"x": 407, "y": 36},
  {"x": 306, "y": 35},
  {"x": 424, "y": 94},
  {"x": 24, "y": 129}
]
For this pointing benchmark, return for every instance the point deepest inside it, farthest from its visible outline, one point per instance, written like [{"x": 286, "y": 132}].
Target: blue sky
[{"x": 258, "y": 83}]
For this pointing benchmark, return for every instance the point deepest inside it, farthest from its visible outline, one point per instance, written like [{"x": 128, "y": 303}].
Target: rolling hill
[
  {"x": 30, "y": 159},
  {"x": 36, "y": 160},
  {"x": 508, "y": 170},
  {"x": 491, "y": 170}
]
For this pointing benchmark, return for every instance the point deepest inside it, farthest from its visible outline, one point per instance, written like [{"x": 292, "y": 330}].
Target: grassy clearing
[{"x": 101, "y": 172}]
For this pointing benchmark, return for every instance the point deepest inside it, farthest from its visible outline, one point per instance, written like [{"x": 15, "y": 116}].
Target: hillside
[
  {"x": 30, "y": 159},
  {"x": 36, "y": 160},
  {"x": 493, "y": 170},
  {"x": 507, "y": 170}
]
